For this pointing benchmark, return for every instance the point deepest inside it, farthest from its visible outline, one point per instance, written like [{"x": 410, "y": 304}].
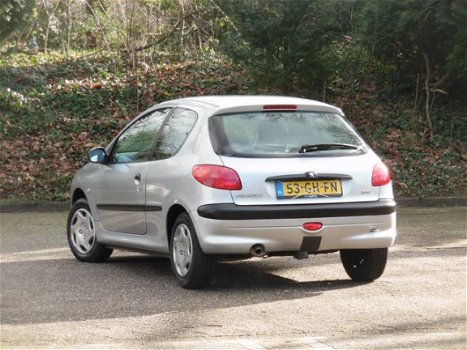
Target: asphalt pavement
[{"x": 50, "y": 300}]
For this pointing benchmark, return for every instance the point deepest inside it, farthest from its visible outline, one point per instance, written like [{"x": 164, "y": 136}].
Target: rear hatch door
[
  {"x": 304, "y": 180},
  {"x": 294, "y": 157}
]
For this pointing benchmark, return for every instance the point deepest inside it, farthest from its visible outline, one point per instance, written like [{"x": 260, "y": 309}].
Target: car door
[
  {"x": 120, "y": 191},
  {"x": 165, "y": 177}
]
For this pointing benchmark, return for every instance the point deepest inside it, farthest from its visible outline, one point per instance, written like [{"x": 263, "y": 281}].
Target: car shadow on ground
[
  {"x": 256, "y": 275},
  {"x": 237, "y": 276},
  {"x": 64, "y": 289},
  {"x": 59, "y": 290}
]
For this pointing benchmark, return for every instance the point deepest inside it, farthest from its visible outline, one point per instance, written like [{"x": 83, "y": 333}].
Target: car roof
[{"x": 241, "y": 103}]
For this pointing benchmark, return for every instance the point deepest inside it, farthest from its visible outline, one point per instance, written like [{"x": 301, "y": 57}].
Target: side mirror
[{"x": 97, "y": 155}]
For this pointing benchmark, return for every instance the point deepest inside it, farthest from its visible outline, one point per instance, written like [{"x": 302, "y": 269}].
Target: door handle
[
  {"x": 138, "y": 182},
  {"x": 137, "y": 178}
]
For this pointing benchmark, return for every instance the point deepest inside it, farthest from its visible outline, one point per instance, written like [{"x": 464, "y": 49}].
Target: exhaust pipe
[{"x": 258, "y": 250}]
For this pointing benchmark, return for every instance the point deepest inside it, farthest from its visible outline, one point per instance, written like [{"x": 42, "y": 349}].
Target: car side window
[
  {"x": 174, "y": 133},
  {"x": 135, "y": 144}
]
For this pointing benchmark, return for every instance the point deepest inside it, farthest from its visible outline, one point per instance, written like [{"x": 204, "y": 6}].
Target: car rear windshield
[{"x": 283, "y": 134}]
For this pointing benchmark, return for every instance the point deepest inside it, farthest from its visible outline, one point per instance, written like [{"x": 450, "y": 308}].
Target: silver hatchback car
[{"x": 201, "y": 177}]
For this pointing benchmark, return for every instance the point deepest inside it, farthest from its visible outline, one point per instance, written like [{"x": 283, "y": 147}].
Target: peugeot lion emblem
[{"x": 311, "y": 174}]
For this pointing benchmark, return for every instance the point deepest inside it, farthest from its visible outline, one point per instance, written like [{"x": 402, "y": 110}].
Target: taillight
[
  {"x": 381, "y": 175},
  {"x": 217, "y": 176}
]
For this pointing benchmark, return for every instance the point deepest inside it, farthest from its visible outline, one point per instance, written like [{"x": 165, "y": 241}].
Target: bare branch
[
  {"x": 164, "y": 38},
  {"x": 434, "y": 86}
]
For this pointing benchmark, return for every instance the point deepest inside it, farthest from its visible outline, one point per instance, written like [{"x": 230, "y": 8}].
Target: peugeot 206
[{"x": 251, "y": 176}]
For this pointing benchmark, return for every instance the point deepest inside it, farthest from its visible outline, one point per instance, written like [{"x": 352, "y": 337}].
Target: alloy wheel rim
[
  {"x": 83, "y": 232},
  {"x": 182, "y": 250}
]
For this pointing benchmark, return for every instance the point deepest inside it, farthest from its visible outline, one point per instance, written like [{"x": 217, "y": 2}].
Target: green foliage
[
  {"x": 284, "y": 42},
  {"x": 391, "y": 65},
  {"x": 457, "y": 57},
  {"x": 13, "y": 15},
  {"x": 52, "y": 111},
  {"x": 160, "y": 28},
  {"x": 412, "y": 34},
  {"x": 425, "y": 171}
]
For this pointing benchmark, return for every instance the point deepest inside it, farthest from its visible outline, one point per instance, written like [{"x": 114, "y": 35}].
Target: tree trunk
[
  {"x": 324, "y": 90},
  {"x": 428, "y": 97},
  {"x": 182, "y": 28}
]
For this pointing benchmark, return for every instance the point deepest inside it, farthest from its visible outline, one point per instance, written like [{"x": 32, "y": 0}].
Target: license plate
[{"x": 309, "y": 189}]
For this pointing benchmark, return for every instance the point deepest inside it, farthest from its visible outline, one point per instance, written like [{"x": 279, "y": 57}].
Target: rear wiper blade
[{"x": 326, "y": 147}]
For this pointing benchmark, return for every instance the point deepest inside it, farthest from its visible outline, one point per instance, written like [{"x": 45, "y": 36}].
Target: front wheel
[
  {"x": 81, "y": 232},
  {"x": 364, "y": 265},
  {"x": 191, "y": 266}
]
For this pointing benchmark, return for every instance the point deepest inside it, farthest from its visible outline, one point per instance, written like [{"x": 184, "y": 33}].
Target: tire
[
  {"x": 191, "y": 266},
  {"x": 81, "y": 234},
  {"x": 364, "y": 265}
]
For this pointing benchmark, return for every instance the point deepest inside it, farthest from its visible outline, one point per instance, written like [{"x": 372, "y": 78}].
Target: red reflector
[
  {"x": 312, "y": 226},
  {"x": 381, "y": 175},
  {"x": 282, "y": 107},
  {"x": 217, "y": 176}
]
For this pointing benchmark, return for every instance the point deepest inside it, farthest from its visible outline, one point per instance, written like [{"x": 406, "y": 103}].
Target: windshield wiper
[{"x": 326, "y": 147}]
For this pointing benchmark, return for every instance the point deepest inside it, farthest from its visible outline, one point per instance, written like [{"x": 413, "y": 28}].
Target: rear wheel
[
  {"x": 191, "y": 266},
  {"x": 364, "y": 265},
  {"x": 81, "y": 232}
]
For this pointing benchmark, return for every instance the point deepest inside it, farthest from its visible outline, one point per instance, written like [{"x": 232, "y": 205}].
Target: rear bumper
[
  {"x": 228, "y": 229},
  {"x": 230, "y": 211}
]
